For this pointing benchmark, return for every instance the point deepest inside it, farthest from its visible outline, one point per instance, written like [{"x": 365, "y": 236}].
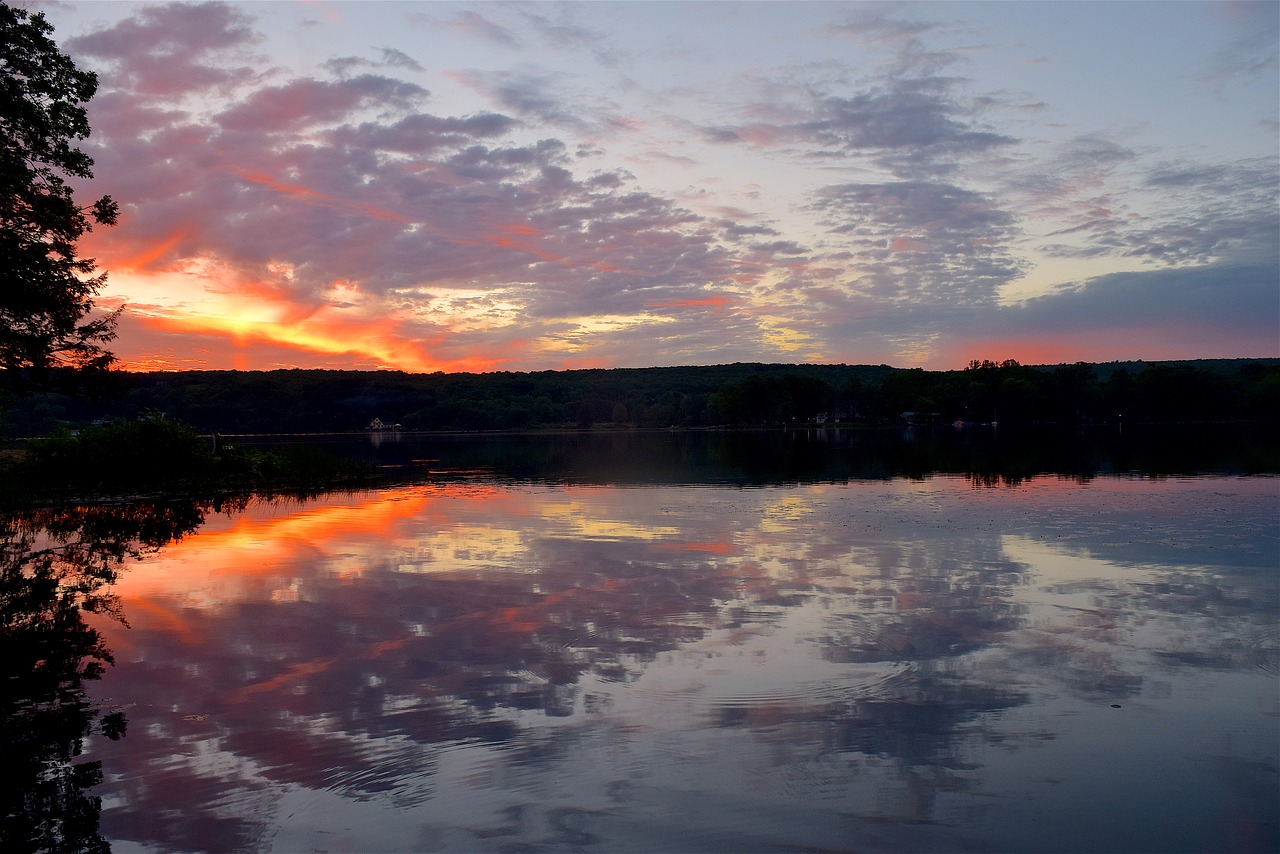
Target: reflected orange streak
[
  {"x": 310, "y": 526},
  {"x": 527, "y": 619},
  {"x": 150, "y": 615},
  {"x": 317, "y": 526},
  {"x": 297, "y": 671},
  {"x": 308, "y": 668}
]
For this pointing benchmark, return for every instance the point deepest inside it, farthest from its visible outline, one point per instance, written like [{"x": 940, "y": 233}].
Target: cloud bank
[{"x": 519, "y": 187}]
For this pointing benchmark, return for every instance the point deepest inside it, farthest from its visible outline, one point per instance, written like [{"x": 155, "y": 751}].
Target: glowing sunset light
[
  {"x": 773, "y": 182},
  {"x": 313, "y": 334},
  {"x": 148, "y": 256},
  {"x": 268, "y": 544}
]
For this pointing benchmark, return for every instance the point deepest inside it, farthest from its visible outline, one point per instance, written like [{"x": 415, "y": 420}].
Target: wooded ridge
[{"x": 742, "y": 394}]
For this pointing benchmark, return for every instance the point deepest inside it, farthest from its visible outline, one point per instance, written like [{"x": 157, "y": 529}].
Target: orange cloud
[
  {"x": 311, "y": 197},
  {"x": 146, "y": 257},
  {"x": 249, "y": 313},
  {"x": 715, "y": 548},
  {"x": 375, "y": 340},
  {"x": 909, "y": 244},
  {"x": 320, "y": 334},
  {"x": 718, "y": 301},
  {"x": 509, "y": 236}
]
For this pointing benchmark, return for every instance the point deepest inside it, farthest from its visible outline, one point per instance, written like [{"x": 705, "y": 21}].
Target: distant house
[{"x": 377, "y": 424}]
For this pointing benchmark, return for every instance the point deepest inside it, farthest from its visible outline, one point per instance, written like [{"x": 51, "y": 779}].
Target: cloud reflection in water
[{"x": 884, "y": 665}]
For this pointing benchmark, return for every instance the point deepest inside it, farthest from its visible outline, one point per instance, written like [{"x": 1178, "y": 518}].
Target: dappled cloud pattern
[
  {"x": 863, "y": 639},
  {"x": 555, "y": 200}
]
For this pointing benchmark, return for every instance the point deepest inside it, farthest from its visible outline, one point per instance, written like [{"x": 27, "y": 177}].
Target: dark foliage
[
  {"x": 56, "y": 564},
  {"x": 155, "y": 454},
  {"x": 46, "y": 291},
  {"x": 297, "y": 401}
]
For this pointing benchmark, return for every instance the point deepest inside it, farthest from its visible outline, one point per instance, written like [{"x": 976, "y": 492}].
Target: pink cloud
[
  {"x": 305, "y": 102},
  {"x": 909, "y": 244},
  {"x": 162, "y": 50}
]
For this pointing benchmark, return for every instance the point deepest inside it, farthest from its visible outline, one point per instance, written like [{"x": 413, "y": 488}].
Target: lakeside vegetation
[
  {"x": 155, "y": 455},
  {"x": 303, "y": 401}
]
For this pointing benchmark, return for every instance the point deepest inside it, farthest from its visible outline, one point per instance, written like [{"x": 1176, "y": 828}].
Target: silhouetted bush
[{"x": 158, "y": 453}]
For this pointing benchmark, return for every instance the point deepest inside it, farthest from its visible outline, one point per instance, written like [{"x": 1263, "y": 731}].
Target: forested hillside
[{"x": 721, "y": 395}]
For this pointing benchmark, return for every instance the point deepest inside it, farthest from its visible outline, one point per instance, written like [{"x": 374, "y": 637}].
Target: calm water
[{"x": 481, "y": 659}]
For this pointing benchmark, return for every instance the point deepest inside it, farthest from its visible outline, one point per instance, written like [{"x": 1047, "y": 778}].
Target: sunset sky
[{"x": 510, "y": 186}]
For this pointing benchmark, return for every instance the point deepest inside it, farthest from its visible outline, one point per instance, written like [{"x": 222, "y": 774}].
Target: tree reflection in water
[
  {"x": 56, "y": 564},
  {"x": 477, "y": 664}
]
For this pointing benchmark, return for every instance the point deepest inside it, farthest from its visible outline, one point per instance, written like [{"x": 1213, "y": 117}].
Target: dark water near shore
[
  {"x": 686, "y": 642},
  {"x": 813, "y": 454}
]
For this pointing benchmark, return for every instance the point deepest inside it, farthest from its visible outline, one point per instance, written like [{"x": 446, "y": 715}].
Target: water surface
[{"x": 481, "y": 663}]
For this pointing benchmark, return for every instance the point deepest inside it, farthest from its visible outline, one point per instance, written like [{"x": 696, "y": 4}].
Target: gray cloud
[
  {"x": 1254, "y": 48},
  {"x": 472, "y": 22},
  {"x": 1240, "y": 301},
  {"x": 913, "y": 127},
  {"x": 307, "y": 102},
  {"x": 545, "y": 98},
  {"x": 917, "y": 240},
  {"x": 1194, "y": 212}
]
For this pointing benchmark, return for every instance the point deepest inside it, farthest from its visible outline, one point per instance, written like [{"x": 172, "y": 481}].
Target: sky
[{"x": 531, "y": 186}]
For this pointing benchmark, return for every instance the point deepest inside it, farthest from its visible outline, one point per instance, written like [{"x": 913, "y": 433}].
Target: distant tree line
[{"x": 722, "y": 395}]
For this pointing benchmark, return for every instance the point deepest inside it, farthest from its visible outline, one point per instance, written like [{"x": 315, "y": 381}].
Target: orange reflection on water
[{"x": 260, "y": 550}]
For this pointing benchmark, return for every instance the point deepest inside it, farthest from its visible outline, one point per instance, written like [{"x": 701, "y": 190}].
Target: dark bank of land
[
  {"x": 744, "y": 395},
  {"x": 157, "y": 456},
  {"x": 174, "y": 434}
]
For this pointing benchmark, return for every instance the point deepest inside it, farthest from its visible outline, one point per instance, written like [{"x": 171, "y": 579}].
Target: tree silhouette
[
  {"x": 56, "y": 563},
  {"x": 46, "y": 291}
]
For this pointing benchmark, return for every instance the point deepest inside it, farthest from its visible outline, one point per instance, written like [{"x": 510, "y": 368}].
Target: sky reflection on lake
[{"x": 874, "y": 665}]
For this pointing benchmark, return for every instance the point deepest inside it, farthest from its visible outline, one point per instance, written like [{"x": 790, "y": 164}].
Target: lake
[{"x": 670, "y": 642}]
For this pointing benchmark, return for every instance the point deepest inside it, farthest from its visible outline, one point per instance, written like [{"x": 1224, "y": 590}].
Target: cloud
[
  {"x": 1253, "y": 48},
  {"x": 905, "y": 116},
  {"x": 1242, "y": 300},
  {"x": 163, "y": 50},
  {"x": 542, "y": 98},
  {"x": 304, "y": 208},
  {"x": 305, "y": 102},
  {"x": 911, "y": 125},
  {"x": 880, "y": 215},
  {"x": 473, "y": 23},
  {"x": 391, "y": 58},
  {"x": 1211, "y": 311},
  {"x": 918, "y": 241},
  {"x": 1106, "y": 204},
  {"x": 422, "y": 133}
]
